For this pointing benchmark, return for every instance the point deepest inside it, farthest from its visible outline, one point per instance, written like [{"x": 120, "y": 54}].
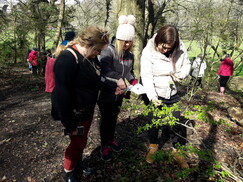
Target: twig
[{"x": 233, "y": 176}]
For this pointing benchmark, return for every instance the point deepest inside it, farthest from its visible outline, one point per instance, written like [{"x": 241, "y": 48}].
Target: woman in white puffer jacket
[{"x": 164, "y": 62}]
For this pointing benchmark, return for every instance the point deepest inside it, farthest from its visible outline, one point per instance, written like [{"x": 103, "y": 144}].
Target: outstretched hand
[
  {"x": 156, "y": 102},
  {"x": 119, "y": 91},
  {"x": 176, "y": 78},
  {"x": 121, "y": 84}
]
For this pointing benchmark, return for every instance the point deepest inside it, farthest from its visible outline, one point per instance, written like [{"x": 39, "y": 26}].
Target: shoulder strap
[{"x": 74, "y": 54}]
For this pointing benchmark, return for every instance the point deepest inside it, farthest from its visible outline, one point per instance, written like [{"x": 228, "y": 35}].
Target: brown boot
[
  {"x": 180, "y": 159},
  {"x": 152, "y": 149}
]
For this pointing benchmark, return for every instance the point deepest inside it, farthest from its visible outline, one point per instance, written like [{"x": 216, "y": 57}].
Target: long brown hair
[
  {"x": 167, "y": 34},
  {"x": 92, "y": 38}
]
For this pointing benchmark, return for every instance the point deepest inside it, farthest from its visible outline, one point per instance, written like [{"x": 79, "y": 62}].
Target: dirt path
[{"x": 32, "y": 144}]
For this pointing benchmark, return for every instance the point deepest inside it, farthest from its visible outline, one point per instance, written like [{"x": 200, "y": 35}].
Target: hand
[
  {"x": 72, "y": 133},
  {"x": 121, "y": 84},
  {"x": 119, "y": 91},
  {"x": 156, "y": 102},
  {"x": 175, "y": 78}
]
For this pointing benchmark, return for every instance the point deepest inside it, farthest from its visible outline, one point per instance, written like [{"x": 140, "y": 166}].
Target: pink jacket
[
  {"x": 226, "y": 67},
  {"x": 49, "y": 75},
  {"x": 33, "y": 58}
]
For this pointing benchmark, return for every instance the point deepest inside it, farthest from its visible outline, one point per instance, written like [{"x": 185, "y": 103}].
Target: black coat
[{"x": 76, "y": 88}]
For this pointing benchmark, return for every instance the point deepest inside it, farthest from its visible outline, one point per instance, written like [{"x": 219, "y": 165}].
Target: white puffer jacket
[
  {"x": 198, "y": 63},
  {"x": 156, "y": 70}
]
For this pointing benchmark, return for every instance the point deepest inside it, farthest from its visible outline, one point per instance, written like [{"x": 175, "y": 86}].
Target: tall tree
[
  {"x": 155, "y": 11},
  {"x": 59, "y": 24},
  {"x": 108, "y": 6},
  {"x": 136, "y": 8}
]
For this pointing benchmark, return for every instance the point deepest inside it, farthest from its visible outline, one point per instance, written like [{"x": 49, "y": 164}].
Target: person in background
[
  {"x": 27, "y": 58},
  {"x": 69, "y": 36},
  {"x": 117, "y": 65},
  {"x": 42, "y": 60},
  {"x": 77, "y": 83},
  {"x": 198, "y": 70},
  {"x": 33, "y": 59},
  {"x": 48, "y": 53},
  {"x": 226, "y": 70},
  {"x": 164, "y": 63}
]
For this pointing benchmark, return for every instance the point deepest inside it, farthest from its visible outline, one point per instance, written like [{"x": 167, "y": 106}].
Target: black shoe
[
  {"x": 106, "y": 153},
  {"x": 69, "y": 177},
  {"x": 88, "y": 171},
  {"x": 115, "y": 146},
  {"x": 80, "y": 168}
]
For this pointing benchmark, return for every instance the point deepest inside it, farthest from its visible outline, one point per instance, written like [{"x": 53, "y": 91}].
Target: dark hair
[
  {"x": 69, "y": 35},
  {"x": 113, "y": 39},
  {"x": 167, "y": 34}
]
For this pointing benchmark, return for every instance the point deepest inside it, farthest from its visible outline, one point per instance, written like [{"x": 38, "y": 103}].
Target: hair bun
[{"x": 130, "y": 19}]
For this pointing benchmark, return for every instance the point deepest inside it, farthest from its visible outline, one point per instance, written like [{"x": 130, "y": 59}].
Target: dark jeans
[
  {"x": 177, "y": 132},
  {"x": 109, "y": 112},
  {"x": 198, "y": 81},
  {"x": 34, "y": 69}
]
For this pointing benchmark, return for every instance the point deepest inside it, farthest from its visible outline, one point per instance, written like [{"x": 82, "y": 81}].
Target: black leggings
[
  {"x": 223, "y": 80},
  {"x": 109, "y": 112},
  {"x": 177, "y": 132},
  {"x": 198, "y": 81},
  {"x": 34, "y": 69}
]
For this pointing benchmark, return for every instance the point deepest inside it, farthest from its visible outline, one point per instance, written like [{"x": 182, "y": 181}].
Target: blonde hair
[
  {"x": 58, "y": 50},
  {"x": 92, "y": 38},
  {"x": 119, "y": 48}
]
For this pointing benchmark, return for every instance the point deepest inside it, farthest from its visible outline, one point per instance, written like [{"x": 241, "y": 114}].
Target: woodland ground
[{"x": 32, "y": 144}]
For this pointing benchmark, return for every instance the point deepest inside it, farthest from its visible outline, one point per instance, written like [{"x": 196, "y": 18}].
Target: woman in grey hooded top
[{"x": 116, "y": 65}]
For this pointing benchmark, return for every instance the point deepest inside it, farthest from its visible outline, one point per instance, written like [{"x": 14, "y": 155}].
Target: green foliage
[
  {"x": 163, "y": 116},
  {"x": 184, "y": 173},
  {"x": 6, "y": 55}
]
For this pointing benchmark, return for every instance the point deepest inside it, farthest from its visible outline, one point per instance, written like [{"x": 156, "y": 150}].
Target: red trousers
[{"x": 75, "y": 149}]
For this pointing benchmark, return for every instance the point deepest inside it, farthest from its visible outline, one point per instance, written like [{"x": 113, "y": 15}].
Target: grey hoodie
[{"x": 113, "y": 69}]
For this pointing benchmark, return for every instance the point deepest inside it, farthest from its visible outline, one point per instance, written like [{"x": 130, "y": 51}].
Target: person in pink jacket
[
  {"x": 226, "y": 70},
  {"x": 33, "y": 59}
]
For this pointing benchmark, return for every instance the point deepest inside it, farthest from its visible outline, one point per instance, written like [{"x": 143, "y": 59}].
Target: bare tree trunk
[
  {"x": 108, "y": 5},
  {"x": 136, "y": 8},
  {"x": 15, "y": 46},
  {"x": 153, "y": 17},
  {"x": 59, "y": 25}
]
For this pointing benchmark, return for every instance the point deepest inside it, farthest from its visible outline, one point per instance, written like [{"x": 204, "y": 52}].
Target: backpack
[{"x": 49, "y": 72}]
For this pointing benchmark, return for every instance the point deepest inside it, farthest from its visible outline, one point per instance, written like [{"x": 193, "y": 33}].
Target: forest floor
[{"x": 32, "y": 144}]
